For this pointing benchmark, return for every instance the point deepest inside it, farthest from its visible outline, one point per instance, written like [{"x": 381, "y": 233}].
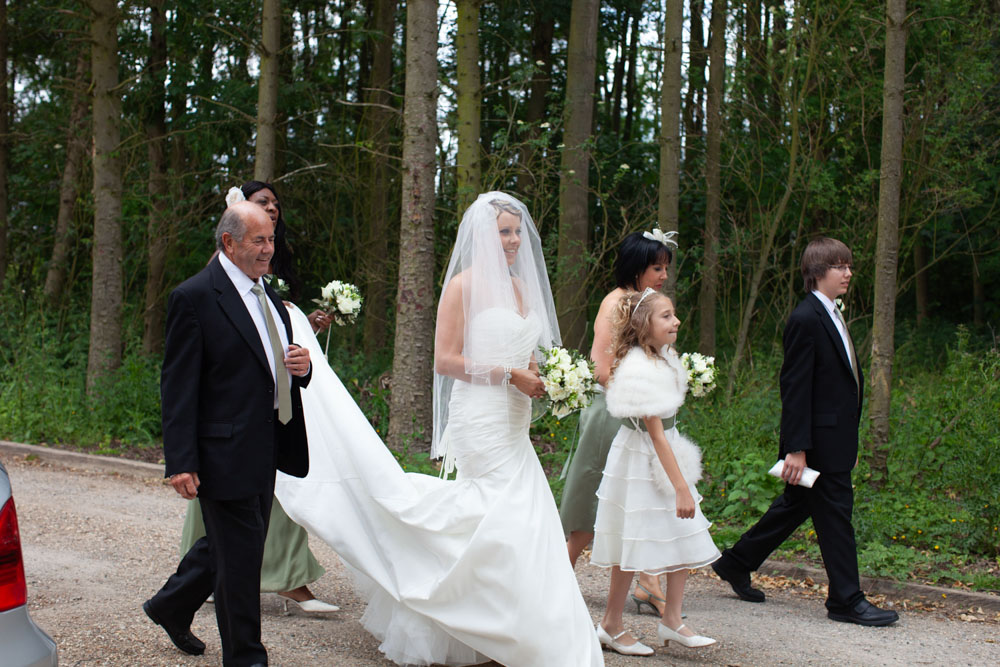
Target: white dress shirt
[
  {"x": 837, "y": 322},
  {"x": 243, "y": 284}
]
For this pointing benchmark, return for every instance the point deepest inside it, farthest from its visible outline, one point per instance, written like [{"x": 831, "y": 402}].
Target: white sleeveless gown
[{"x": 456, "y": 572}]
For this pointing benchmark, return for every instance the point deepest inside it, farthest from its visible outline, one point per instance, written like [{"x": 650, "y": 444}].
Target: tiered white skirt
[{"x": 637, "y": 527}]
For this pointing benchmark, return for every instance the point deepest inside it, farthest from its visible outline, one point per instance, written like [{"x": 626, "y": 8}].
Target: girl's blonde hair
[{"x": 631, "y": 324}]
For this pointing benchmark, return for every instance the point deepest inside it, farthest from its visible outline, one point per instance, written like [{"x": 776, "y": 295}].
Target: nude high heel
[{"x": 648, "y": 601}]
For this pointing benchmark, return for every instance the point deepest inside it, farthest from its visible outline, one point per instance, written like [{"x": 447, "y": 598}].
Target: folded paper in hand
[{"x": 808, "y": 474}]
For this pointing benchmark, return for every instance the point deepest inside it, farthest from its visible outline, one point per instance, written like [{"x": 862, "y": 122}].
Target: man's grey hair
[{"x": 231, "y": 223}]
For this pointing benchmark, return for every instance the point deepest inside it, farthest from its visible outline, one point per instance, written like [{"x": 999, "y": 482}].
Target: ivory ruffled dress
[{"x": 637, "y": 527}]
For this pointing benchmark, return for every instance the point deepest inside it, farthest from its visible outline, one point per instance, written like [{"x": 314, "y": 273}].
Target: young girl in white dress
[{"x": 648, "y": 515}]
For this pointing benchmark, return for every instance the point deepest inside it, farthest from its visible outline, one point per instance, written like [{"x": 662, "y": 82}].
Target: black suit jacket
[
  {"x": 217, "y": 393},
  {"x": 820, "y": 401}
]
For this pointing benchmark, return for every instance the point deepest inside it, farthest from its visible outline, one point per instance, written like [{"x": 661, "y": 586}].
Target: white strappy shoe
[
  {"x": 638, "y": 648},
  {"x": 313, "y": 605},
  {"x": 694, "y": 641}
]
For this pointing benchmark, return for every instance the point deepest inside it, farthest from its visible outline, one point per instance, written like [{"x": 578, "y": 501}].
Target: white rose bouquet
[
  {"x": 569, "y": 380},
  {"x": 700, "y": 372},
  {"x": 342, "y": 301}
]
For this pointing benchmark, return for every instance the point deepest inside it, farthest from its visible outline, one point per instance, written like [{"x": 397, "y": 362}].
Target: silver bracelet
[{"x": 506, "y": 376}]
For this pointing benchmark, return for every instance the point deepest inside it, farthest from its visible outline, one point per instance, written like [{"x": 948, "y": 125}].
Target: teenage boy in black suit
[
  {"x": 821, "y": 392},
  {"x": 232, "y": 413}
]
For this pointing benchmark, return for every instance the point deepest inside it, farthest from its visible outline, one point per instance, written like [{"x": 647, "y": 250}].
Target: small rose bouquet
[
  {"x": 700, "y": 372},
  {"x": 279, "y": 286},
  {"x": 568, "y": 378},
  {"x": 342, "y": 301}
]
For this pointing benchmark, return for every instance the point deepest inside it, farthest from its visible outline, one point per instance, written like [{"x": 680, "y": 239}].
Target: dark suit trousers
[
  {"x": 829, "y": 503},
  {"x": 227, "y": 562}
]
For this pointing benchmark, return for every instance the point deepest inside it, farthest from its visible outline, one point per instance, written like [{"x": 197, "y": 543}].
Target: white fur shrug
[{"x": 644, "y": 387}]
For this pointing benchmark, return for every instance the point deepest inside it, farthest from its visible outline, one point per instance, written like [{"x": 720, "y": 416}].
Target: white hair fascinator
[
  {"x": 235, "y": 195},
  {"x": 657, "y": 234}
]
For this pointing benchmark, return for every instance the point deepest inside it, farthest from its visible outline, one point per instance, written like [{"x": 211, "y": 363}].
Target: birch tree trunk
[
  {"x": 267, "y": 91},
  {"x": 670, "y": 127},
  {"x": 468, "y": 103},
  {"x": 105, "y": 353},
  {"x": 710, "y": 239},
  {"x": 574, "y": 183},
  {"x": 410, "y": 414},
  {"x": 158, "y": 231},
  {"x": 887, "y": 245},
  {"x": 378, "y": 119},
  {"x": 76, "y": 148}
]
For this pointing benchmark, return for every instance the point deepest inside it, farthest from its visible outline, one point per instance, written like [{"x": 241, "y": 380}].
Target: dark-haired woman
[
  {"x": 643, "y": 260},
  {"x": 289, "y": 566}
]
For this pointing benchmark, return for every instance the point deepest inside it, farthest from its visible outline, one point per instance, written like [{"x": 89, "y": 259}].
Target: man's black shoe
[
  {"x": 740, "y": 582},
  {"x": 182, "y": 639},
  {"x": 865, "y": 613}
]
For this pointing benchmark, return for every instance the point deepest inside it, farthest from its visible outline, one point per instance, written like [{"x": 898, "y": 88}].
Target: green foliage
[{"x": 42, "y": 384}]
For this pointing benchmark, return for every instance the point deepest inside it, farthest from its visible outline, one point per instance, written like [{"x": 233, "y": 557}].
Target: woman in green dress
[
  {"x": 289, "y": 566},
  {"x": 643, "y": 260}
]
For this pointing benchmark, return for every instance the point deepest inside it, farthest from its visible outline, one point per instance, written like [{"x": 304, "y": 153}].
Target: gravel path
[{"x": 97, "y": 545}]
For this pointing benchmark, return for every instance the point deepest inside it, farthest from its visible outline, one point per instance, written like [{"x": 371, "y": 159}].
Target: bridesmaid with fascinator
[{"x": 643, "y": 261}]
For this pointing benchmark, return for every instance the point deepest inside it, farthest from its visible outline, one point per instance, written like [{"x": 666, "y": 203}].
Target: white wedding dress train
[{"x": 456, "y": 572}]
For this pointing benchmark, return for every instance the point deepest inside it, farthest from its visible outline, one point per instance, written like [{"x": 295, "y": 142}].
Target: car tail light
[{"x": 13, "y": 589}]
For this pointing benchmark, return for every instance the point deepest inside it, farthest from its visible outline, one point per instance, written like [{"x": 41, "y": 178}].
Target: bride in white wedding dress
[{"x": 465, "y": 571}]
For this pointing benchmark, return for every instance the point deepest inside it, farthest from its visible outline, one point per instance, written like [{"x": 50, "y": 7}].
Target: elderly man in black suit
[
  {"x": 232, "y": 414},
  {"x": 821, "y": 392}
]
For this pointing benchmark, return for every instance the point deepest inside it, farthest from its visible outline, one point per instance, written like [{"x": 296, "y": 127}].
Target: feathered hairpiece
[
  {"x": 234, "y": 196},
  {"x": 658, "y": 235}
]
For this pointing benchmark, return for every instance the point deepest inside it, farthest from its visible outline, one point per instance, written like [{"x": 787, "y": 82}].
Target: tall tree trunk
[
  {"x": 693, "y": 98},
  {"x": 618, "y": 80},
  {"x": 887, "y": 245},
  {"x": 542, "y": 32},
  {"x": 670, "y": 126},
  {"x": 158, "y": 228},
  {"x": 630, "y": 79},
  {"x": 468, "y": 103},
  {"x": 922, "y": 287},
  {"x": 105, "y": 353},
  {"x": 778, "y": 42},
  {"x": 574, "y": 180},
  {"x": 267, "y": 91},
  {"x": 76, "y": 148},
  {"x": 4, "y": 141},
  {"x": 410, "y": 413},
  {"x": 379, "y": 117},
  {"x": 710, "y": 270}
]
